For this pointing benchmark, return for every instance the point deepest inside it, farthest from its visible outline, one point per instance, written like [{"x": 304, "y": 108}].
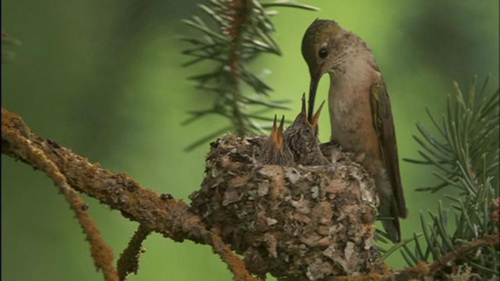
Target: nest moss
[{"x": 302, "y": 222}]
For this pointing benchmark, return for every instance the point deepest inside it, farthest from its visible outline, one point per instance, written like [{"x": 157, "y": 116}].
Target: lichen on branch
[{"x": 162, "y": 214}]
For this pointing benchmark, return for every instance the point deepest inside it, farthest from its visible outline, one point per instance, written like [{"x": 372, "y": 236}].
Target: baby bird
[
  {"x": 302, "y": 138},
  {"x": 275, "y": 151}
]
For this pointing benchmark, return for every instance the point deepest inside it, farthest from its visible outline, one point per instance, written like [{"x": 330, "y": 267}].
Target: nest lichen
[{"x": 302, "y": 222}]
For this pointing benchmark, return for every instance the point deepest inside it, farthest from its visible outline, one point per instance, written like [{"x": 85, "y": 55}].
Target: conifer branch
[
  {"x": 234, "y": 33},
  {"x": 466, "y": 154}
]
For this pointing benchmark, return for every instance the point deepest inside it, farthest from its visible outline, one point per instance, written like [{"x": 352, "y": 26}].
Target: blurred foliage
[
  {"x": 105, "y": 79},
  {"x": 8, "y": 42}
]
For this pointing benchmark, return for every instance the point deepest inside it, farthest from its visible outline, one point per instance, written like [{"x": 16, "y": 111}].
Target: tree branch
[
  {"x": 129, "y": 259},
  {"x": 100, "y": 251},
  {"x": 167, "y": 216},
  {"x": 465, "y": 250}
]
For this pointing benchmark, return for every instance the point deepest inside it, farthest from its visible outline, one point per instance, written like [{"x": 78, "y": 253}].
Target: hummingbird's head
[{"x": 323, "y": 46}]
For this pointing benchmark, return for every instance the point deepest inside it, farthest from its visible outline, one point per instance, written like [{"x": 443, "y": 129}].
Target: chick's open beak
[
  {"x": 315, "y": 118},
  {"x": 277, "y": 133},
  {"x": 280, "y": 137}
]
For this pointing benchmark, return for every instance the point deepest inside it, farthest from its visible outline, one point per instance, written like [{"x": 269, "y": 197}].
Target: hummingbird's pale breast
[{"x": 349, "y": 102}]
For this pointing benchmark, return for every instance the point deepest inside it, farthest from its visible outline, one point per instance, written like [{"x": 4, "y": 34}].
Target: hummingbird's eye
[{"x": 323, "y": 53}]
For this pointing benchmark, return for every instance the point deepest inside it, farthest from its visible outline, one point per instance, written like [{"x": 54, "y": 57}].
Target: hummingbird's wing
[{"x": 384, "y": 126}]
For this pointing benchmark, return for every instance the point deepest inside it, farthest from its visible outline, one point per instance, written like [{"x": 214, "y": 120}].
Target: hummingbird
[
  {"x": 275, "y": 151},
  {"x": 302, "y": 138},
  {"x": 360, "y": 110}
]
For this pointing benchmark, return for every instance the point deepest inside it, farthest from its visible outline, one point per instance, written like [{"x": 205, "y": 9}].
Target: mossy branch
[{"x": 72, "y": 173}]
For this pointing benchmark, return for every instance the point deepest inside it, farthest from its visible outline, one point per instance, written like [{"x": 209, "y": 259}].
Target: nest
[{"x": 298, "y": 223}]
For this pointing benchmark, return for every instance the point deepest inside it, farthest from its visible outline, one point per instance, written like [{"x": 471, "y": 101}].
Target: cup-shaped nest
[{"x": 302, "y": 222}]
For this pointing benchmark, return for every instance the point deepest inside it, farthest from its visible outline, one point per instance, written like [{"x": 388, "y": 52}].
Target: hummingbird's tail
[
  {"x": 388, "y": 210},
  {"x": 388, "y": 205}
]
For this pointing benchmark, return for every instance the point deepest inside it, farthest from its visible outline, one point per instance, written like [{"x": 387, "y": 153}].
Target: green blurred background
[{"x": 104, "y": 78}]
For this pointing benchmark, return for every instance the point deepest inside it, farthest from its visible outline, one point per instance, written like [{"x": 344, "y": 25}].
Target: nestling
[
  {"x": 275, "y": 151},
  {"x": 302, "y": 138}
]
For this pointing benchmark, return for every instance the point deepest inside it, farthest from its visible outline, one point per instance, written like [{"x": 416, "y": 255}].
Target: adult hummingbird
[
  {"x": 360, "y": 110},
  {"x": 302, "y": 138},
  {"x": 275, "y": 151}
]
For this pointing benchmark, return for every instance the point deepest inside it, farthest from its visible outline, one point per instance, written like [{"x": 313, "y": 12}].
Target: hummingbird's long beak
[
  {"x": 312, "y": 94},
  {"x": 303, "y": 110}
]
